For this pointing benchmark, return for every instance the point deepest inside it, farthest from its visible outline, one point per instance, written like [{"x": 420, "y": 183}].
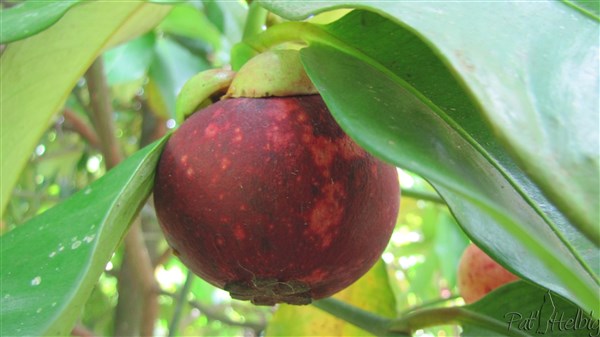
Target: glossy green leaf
[
  {"x": 516, "y": 309},
  {"x": 31, "y": 17},
  {"x": 371, "y": 293},
  {"x": 45, "y": 285},
  {"x": 524, "y": 80},
  {"x": 38, "y": 73},
  {"x": 391, "y": 93},
  {"x": 385, "y": 116},
  {"x": 534, "y": 311}
]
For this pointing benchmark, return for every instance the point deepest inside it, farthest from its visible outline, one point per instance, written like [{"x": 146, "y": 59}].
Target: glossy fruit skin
[
  {"x": 478, "y": 274},
  {"x": 269, "y": 199}
]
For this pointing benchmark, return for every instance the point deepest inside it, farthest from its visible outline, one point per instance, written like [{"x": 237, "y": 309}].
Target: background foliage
[{"x": 437, "y": 89}]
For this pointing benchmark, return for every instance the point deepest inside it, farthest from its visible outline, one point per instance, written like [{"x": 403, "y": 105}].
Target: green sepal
[
  {"x": 197, "y": 91},
  {"x": 272, "y": 73}
]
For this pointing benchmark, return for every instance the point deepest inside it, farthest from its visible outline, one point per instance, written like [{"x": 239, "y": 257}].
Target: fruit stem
[
  {"x": 255, "y": 20},
  {"x": 375, "y": 324},
  {"x": 423, "y": 195},
  {"x": 284, "y": 32},
  {"x": 181, "y": 301},
  {"x": 425, "y": 318}
]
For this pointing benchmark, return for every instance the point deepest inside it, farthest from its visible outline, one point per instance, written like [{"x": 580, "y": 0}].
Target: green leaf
[
  {"x": 45, "y": 285},
  {"x": 523, "y": 80},
  {"x": 187, "y": 20},
  {"x": 371, "y": 292},
  {"x": 31, "y": 17},
  {"x": 516, "y": 309},
  {"x": 39, "y": 72},
  {"x": 130, "y": 61},
  {"x": 173, "y": 66},
  {"x": 588, "y": 7},
  {"x": 229, "y": 18},
  {"x": 413, "y": 136},
  {"x": 404, "y": 105},
  {"x": 449, "y": 244},
  {"x": 535, "y": 311}
]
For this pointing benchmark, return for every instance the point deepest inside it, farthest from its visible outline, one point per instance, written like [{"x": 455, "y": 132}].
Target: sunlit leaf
[
  {"x": 38, "y": 73},
  {"x": 51, "y": 263},
  {"x": 371, "y": 292},
  {"x": 31, "y": 17}
]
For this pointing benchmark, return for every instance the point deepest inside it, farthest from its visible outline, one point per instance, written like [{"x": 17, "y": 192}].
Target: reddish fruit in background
[
  {"x": 478, "y": 274},
  {"x": 268, "y": 199}
]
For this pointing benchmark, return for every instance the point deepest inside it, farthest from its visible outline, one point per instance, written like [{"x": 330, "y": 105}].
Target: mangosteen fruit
[{"x": 270, "y": 200}]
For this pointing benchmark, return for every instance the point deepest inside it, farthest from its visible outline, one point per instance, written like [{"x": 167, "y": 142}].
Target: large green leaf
[
  {"x": 413, "y": 136},
  {"x": 31, "y": 17},
  {"x": 535, "y": 311},
  {"x": 51, "y": 263},
  {"x": 538, "y": 88},
  {"x": 38, "y": 73},
  {"x": 391, "y": 93},
  {"x": 515, "y": 309},
  {"x": 371, "y": 292}
]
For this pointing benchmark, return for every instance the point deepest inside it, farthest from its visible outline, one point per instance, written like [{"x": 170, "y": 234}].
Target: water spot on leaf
[
  {"x": 89, "y": 238},
  {"x": 76, "y": 244},
  {"x": 38, "y": 310},
  {"x": 36, "y": 281},
  {"x": 53, "y": 254}
]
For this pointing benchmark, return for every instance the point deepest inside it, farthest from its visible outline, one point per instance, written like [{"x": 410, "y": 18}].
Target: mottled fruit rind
[
  {"x": 478, "y": 274},
  {"x": 270, "y": 200}
]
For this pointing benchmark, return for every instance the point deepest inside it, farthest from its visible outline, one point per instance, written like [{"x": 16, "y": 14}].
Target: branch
[
  {"x": 102, "y": 116},
  {"x": 215, "y": 315},
  {"x": 80, "y": 126},
  {"x": 174, "y": 326},
  {"x": 425, "y": 318},
  {"x": 365, "y": 320}
]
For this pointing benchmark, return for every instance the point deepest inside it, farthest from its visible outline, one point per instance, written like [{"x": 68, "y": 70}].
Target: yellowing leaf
[
  {"x": 371, "y": 292},
  {"x": 38, "y": 73}
]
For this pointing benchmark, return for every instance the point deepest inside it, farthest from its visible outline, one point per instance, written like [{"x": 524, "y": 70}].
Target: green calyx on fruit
[
  {"x": 273, "y": 73},
  {"x": 202, "y": 90}
]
